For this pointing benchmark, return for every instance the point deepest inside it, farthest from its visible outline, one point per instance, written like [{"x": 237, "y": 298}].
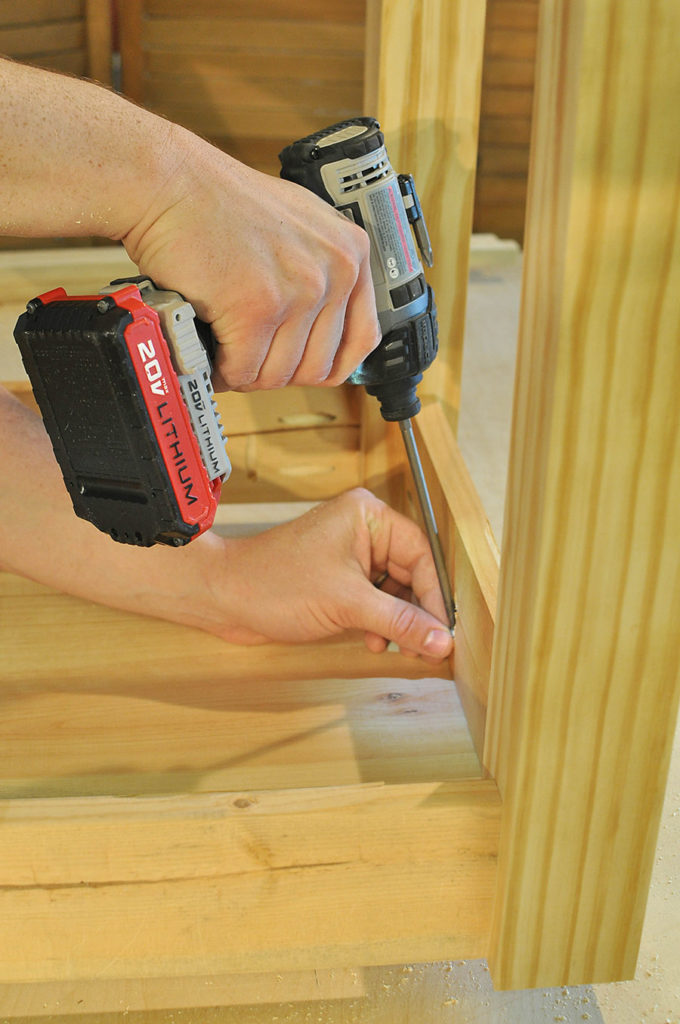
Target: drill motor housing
[{"x": 347, "y": 166}]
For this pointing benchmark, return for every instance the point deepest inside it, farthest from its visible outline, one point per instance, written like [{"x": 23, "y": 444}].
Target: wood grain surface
[
  {"x": 471, "y": 551},
  {"x": 585, "y": 679}
]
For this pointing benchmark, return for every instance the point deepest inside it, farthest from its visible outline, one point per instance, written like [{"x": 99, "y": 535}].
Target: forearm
[
  {"x": 42, "y": 538},
  {"x": 298, "y": 582},
  {"x": 76, "y": 159}
]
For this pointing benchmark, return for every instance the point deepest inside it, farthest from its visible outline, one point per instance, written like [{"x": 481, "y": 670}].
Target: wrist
[{"x": 197, "y": 583}]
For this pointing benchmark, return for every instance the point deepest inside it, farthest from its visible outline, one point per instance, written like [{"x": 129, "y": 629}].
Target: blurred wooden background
[{"x": 252, "y": 75}]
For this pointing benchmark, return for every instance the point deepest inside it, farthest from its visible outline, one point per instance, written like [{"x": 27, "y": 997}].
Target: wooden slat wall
[
  {"x": 50, "y": 33},
  {"x": 505, "y": 121},
  {"x": 64, "y": 35},
  {"x": 251, "y": 76}
]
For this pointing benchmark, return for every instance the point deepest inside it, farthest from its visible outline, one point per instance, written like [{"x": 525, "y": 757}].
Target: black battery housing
[{"x": 77, "y": 360}]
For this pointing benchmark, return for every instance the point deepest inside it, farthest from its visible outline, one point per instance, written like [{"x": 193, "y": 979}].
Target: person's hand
[
  {"x": 283, "y": 279},
  {"x": 313, "y": 578},
  {"x": 303, "y": 581}
]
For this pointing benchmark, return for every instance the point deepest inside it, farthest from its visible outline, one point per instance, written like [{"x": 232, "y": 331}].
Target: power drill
[
  {"x": 347, "y": 166},
  {"x": 122, "y": 378}
]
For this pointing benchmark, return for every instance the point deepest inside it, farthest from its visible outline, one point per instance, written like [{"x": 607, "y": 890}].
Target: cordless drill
[
  {"x": 122, "y": 378},
  {"x": 347, "y": 166}
]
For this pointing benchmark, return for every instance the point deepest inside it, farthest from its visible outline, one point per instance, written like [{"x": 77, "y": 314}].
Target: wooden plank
[
  {"x": 503, "y": 161},
  {"x": 468, "y": 541},
  {"x": 290, "y": 465},
  {"x": 32, "y": 11},
  {"x": 34, "y": 40},
  {"x": 79, "y": 270},
  {"x": 180, "y": 35},
  {"x": 507, "y": 102},
  {"x": 296, "y": 733},
  {"x": 503, "y": 71},
  {"x": 77, "y": 676},
  {"x": 189, "y": 89},
  {"x": 495, "y": 191},
  {"x": 300, "y": 10},
  {"x": 36, "y": 619},
  {"x": 505, "y": 221},
  {"x": 343, "y": 69},
  {"x": 514, "y": 14},
  {"x": 515, "y": 131},
  {"x": 585, "y": 681},
  {"x": 430, "y": 114},
  {"x": 148, "y": 995},
  {"x": 322, "y": 715},
  {"x": 129, "y": 13},
  {"x": 384, "y": 468},
  {"x": 99, "y": 27},
  {"x": 143, "y": 887},
  {"x": 502, "y": 41},
  {"x": 291, "y": 408},
  {"x": 507, "y": 98}
]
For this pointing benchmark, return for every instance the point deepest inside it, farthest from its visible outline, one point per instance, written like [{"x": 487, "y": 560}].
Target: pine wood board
[
  {"x": 291, "y": 465},
  {"x": 148, "y": 997},
  {"x": 257, "y": 70},
  {"x": 80, "y": 271},
  {"x": 31, "y": 11},
  {"x": 101, "y": 702},
  {"x": 225, "y": 35},
  {"x": 586, "y": 674},
  {"x": 470, "y": 548},
  {"x": 288, "y": 10},
  {"x": 29, "y": 41},
  {"x": 221, "y": 882}
]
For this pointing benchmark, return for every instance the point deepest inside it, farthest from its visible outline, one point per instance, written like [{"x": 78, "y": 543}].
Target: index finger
[
  {"x": 361, "y": 333},
  {"x": 402, "y": 549}
]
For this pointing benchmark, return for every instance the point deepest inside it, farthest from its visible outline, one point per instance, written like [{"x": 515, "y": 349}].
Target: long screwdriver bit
[{"x": 429, "y": 520}]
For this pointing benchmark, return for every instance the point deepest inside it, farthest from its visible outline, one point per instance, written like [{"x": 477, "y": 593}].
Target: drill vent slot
[{"x": 364, "y": 177}]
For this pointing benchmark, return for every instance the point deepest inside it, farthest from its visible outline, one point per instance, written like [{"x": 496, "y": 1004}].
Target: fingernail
[{"x": 437, "y": 642}]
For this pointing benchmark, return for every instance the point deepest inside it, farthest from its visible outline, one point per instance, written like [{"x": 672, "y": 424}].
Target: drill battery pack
[{"x": 122, "y": 380}]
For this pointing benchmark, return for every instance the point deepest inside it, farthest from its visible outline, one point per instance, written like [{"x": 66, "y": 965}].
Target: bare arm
[
  {"x": 284, "y": 279},
  {"x": 286, "y": 284}
]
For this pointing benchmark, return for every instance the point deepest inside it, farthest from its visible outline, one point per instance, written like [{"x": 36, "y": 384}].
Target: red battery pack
[{"x": 104, "y": 380}]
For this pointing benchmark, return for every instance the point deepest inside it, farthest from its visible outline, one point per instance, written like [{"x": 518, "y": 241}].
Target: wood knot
[{"x": 243, "y": 802}]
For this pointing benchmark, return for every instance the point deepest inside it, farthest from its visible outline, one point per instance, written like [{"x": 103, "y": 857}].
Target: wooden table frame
[
  {"x": 540, "y": 857},
  {"x": 583, "y": 690}
]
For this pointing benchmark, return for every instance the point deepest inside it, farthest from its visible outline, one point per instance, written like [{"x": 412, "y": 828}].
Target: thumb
[{"x": 406, "y": 624}]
